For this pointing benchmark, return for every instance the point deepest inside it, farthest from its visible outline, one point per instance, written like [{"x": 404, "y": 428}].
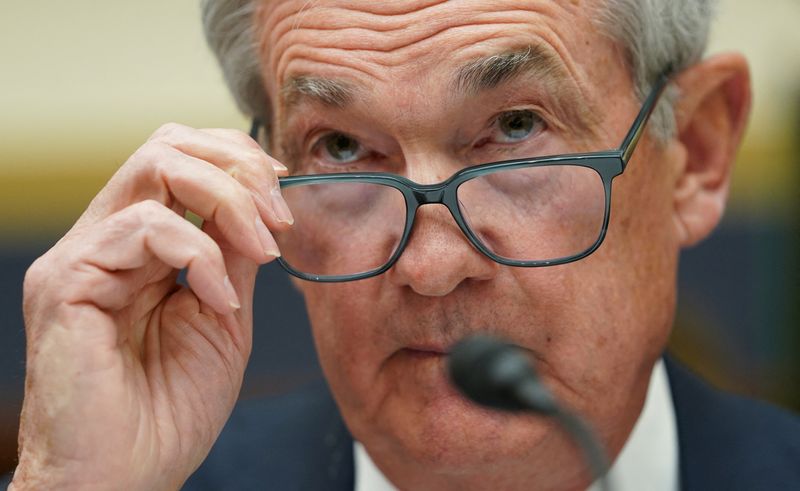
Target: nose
[{"x": 438, "y": 257}]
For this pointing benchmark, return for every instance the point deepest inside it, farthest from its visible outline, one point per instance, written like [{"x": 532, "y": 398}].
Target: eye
[
  {"x": 515, "y": 126},
  {"x": 340, "y": 148}
]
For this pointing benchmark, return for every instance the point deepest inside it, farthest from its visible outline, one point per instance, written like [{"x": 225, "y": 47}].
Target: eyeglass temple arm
[
  {"x": 637, "y": 130},
  {"x": 255, "y": 126}
]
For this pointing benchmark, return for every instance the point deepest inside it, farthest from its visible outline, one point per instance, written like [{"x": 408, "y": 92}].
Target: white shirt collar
[{"x": 648, "y": 461}]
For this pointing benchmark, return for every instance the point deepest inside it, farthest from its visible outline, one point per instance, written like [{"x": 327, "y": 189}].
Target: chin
[
  {"x": 470, "y": 439},
  {"x": 435, "y": 428}
]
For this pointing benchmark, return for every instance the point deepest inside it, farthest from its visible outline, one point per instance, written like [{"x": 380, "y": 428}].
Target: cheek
[
  {"x": 642, "y": 233},
  {"x": 343, "y": 320},
  {"x": 609, "y": 315},
  {"x": 640, "y": 255}
]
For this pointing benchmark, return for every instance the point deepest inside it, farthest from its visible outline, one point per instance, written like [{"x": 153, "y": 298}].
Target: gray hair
[
  {"x": 230, "y": 29},
  {"x": 658, "y": 35},
  {"x": 654, "y": 34}
]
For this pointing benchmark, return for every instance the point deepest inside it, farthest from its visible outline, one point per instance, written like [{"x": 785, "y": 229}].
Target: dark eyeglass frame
[{"x": 608, "y": 164}]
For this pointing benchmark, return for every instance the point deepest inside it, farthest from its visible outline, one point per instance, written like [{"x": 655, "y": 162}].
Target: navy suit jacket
[{"x": 298, "y": 442}]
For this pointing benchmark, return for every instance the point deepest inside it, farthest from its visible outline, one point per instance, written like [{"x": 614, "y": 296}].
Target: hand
[{"x": 131, "y": 377}]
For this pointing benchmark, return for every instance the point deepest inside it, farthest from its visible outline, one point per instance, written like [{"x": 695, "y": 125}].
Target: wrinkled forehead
[{"x": 395, "y": 43}]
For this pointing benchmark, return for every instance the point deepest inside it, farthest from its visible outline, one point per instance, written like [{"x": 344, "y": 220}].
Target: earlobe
[{"x": 711, "y": 117}]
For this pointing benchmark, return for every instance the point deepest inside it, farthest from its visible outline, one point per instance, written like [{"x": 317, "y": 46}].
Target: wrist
[
  {"x": 28, "y": 476},
  {"x": 31, "y": 477}
]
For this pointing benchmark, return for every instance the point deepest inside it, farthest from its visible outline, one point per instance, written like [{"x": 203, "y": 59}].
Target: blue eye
[
  {"x": 518, "y": 125},
  {"x": 341, "y": 148}
]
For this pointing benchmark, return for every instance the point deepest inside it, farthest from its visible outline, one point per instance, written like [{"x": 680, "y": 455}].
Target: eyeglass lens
[
  {"x": 525, "y": 214},
  {"x": 342, "y": 228},
  {"x": 535, "y": 213}
]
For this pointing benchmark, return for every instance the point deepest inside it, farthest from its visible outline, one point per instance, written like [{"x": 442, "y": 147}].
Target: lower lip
[
  {"x": 427, "y": 370},
  {"x": 417, "y": 353}
]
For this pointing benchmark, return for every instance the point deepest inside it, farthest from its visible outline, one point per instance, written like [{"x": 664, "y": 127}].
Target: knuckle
[
  {"x": 151, "y": 155},
  {"x": 169, "y": 132},
  {"x": 150, "y": 208},
  {"x": 238, "y": 137},
  {"x": 36, "y": 276},
  {"x": 151, "y": 212},
  {"x": 139, "y": 215},
  {"x": 255, "y": 156},
  {"x": 38, "y": 291},
  {"x": 242, "y": 138}
]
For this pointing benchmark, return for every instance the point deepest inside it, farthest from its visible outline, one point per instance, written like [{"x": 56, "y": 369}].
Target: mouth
[
  {"x": 425, "y": 351},
  {"x": 422, "y": 355},
  {"x": 421, "y": 370}
]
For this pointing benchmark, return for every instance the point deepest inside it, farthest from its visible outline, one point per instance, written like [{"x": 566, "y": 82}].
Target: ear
[{"x": 711, "y": 116}]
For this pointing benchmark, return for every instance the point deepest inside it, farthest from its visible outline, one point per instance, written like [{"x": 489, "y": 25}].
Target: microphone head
[{"x": 495, "y": 373}]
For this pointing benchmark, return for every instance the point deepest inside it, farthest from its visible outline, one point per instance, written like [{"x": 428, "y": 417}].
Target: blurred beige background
[{"x": 84, "y": 83}]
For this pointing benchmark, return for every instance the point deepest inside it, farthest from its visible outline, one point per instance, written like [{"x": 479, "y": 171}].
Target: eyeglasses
[{"x": 525, "y": 213}]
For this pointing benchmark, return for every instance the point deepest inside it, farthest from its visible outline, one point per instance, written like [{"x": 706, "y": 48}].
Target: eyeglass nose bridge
[
  {"x": 429, "y": 195},
  {"x": 436, "y": 194}
]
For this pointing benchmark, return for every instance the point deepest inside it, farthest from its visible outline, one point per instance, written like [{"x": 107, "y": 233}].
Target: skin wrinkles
[
  {"x": 516, "y": 70},
  {"x": 472, "y": 78},
  {"x": 538, "y": 70},
  {"x": 446, "y": 315},
  {"x": 399, "y": 405},
  {"x": 288, "y": 10},
  {"x": 571, "y": 113},
  {"x": 331, "y": 18},
  {"x": 353, "y": 69},
  {"x": 370, "y": 40},
  {"x": 489, "y": 72},
  {"x": 454, "y": 320},
  {"x": 410, "y": 40},
  {"x": 533, "y": 62}
]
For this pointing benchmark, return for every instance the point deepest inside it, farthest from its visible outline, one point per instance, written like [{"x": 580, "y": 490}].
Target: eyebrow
[
  {"x": 326, "y": 91},
  {"x": 491, "y": 71},
  {"x": 533, "y": 62},
  {"x": 479, "y": 75}
]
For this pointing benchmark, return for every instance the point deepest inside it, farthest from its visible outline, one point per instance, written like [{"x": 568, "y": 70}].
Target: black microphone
[{"x": 495, "y": 373}]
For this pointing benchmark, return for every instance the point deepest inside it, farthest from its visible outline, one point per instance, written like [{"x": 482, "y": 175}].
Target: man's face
[{"x": 593, "y": 327}]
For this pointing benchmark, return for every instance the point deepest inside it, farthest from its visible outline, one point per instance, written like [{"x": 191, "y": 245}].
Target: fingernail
[
  {"x": 278, "y": 166},
  {"x": 282, "y": 212},
  {"x": 233, "y": 299},
  {"x": 268, "y": 243}
]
